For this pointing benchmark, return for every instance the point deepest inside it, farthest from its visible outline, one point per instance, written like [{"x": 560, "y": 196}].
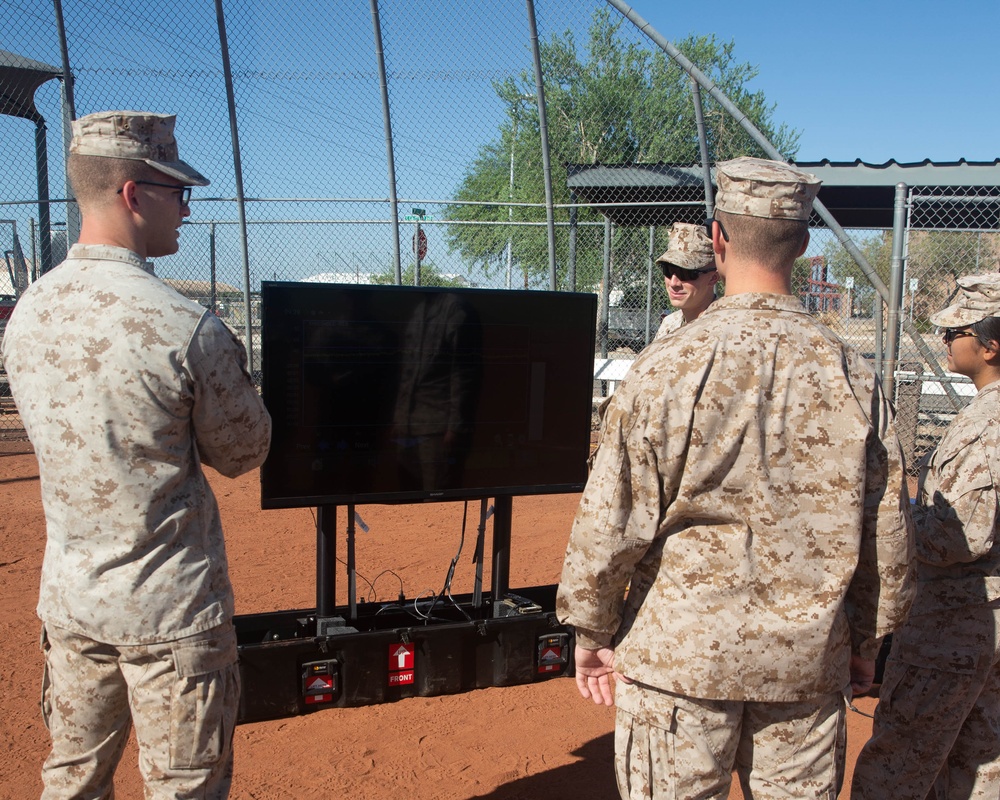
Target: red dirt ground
[{"x": 536, "y": 742}]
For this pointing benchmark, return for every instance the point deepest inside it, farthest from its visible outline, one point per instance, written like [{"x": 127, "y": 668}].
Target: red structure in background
[{"x": 820, "y": 294}]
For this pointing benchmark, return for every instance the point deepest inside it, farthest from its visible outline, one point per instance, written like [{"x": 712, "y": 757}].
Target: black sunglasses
[
  {"x": 185, "y": 196},
  {"x": 952, "y": 334},
  {"x": 708, "y": 229},
  {"x": 669, "y": 270}
]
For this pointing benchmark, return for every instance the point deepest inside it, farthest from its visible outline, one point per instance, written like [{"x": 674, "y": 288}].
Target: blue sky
[
  {"x": 873, "y": 80},
  {"x": 860, "y": 80}
]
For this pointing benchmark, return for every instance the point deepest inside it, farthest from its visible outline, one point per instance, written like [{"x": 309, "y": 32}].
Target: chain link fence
[
  {"x": 438, "y": 144},
  {"x": 952, "y": 231}
]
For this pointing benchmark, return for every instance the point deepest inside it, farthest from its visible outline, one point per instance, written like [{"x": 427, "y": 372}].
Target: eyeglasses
[
  {"x": 185, "y": 191},
  {"x": 952, "y": 334},
  {"x": 669, "y": 270},
  {"x": 708, "y": 229}
]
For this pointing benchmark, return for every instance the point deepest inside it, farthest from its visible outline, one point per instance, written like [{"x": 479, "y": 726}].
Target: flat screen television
[{"x": 386, "y": 394}]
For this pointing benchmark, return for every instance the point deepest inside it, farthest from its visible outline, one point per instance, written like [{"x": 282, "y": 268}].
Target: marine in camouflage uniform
[
  {"x": 126, "y": 388},
  {"x": 692, "y": 287},
  {"x": 937, "y": 726},
  {"x": 690, "y": 250},
  {"x": 744, "y": 540}
]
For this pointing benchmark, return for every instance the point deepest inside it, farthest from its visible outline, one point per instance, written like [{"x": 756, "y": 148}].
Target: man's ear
[
  {"x": 718, "y": 243},
  {"x": 805, "y": 243},
  {"x": 130, "y": 195}
]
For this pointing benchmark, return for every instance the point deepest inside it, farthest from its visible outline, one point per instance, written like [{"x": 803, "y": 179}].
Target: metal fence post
[
  {"x": 238, "y": 174},
  {"x": 605, "y": 301},
  {"x": 895, "y": 289},
  {"x": 706, "y": 164},
  {"x": 649, "y": 283},
  {"x": 416, "y": 256},
  {"x": 904, "y": 393},
  {"x": 68, "y": 115},
  {"x": 212, "y": 267},
  {"x": 32, "y": 233},
  {"x": 543, "y": 133},
  {"x": 42, "y": 179},
  {"x": 387, "y": 125},
  {"x": 571, "y": 266}
]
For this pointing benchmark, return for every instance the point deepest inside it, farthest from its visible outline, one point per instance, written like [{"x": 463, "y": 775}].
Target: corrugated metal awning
[
  {"x": 859, "y": 195},
  {"x": 20, "y": 78}
]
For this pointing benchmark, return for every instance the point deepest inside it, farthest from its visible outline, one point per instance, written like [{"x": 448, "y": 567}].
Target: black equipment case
[{"x": 295, "y": 662}]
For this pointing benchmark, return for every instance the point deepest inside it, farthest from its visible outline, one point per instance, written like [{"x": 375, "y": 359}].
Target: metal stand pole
[
  {"x": 326, "y": 561},
  {"x": 502, "y": 514}
]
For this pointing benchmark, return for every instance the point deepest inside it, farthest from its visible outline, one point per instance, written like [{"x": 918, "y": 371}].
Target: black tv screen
[{"x": 382, "y": 394}]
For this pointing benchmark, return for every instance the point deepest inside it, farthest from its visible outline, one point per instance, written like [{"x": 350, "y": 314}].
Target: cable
[
  {"x": 454, "y": 562},
  {"x": 371, "y": 584},
  {"x": 446, "y": 589},
  {"x": 373, "y": 597},
  {"x": 416, "y": 609}
]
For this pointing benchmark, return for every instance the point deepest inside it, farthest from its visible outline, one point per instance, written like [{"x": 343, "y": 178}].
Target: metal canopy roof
[
  {"x": 20, "y": 78},
  {"x": 959, "y": 194}
]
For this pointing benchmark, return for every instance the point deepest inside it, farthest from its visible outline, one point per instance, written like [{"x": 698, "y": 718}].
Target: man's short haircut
[
  {"x": 774, "y": 244},
  {"x": 96, "y": 179}
]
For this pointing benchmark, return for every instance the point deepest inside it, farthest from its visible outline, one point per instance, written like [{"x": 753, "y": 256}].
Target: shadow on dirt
[{"x": 592, "y": 776}]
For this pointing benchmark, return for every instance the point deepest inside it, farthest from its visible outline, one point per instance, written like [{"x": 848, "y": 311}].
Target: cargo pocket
[
  {"x": 928, "y": 683},
  {"x": 204, "y": 701},
  {"x": 45, "y": 701},
  {"x": 957, "y": 659}
]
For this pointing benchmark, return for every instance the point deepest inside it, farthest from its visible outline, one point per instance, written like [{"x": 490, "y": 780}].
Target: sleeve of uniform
[
  {"x": 617, "y": 519},
  {"x": 883, "y": 585},
  {"x": 231, "y": 425},
  {"x": 958, "y": 524}
]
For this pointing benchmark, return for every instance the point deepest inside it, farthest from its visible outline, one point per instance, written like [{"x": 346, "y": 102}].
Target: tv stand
[{"x": 295, "y": 662}]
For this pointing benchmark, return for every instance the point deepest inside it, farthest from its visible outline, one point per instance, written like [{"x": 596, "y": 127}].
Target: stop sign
[{"x": 422, "y": 238}]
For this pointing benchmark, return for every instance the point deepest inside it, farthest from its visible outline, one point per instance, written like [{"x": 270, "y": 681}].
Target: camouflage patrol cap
[
  {"x": 756, "y": 187},
  {"x": 689, "y": 248},
  {"x": 137, "y": 136},
  {"x": 979, "y": 298}
]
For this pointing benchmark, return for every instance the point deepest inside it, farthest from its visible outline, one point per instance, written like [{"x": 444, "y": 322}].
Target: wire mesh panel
[
  {"x": 371, "y": 142},
  {"x": 953, "y": 231},
  {"x": 833, "y": 287}
]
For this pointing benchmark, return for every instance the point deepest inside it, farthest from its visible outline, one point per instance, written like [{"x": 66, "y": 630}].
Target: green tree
[
  {"x": 613, "y": 102},
  {"x": 936, "y": 259},
  {"x": 429, "y": 276}
]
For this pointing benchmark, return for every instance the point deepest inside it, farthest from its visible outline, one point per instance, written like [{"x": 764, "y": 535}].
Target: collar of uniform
[
  {"x": 757, "y": 301},
  {"x": 108, "y": 252},
  {"x": 989, "y": 387}
]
